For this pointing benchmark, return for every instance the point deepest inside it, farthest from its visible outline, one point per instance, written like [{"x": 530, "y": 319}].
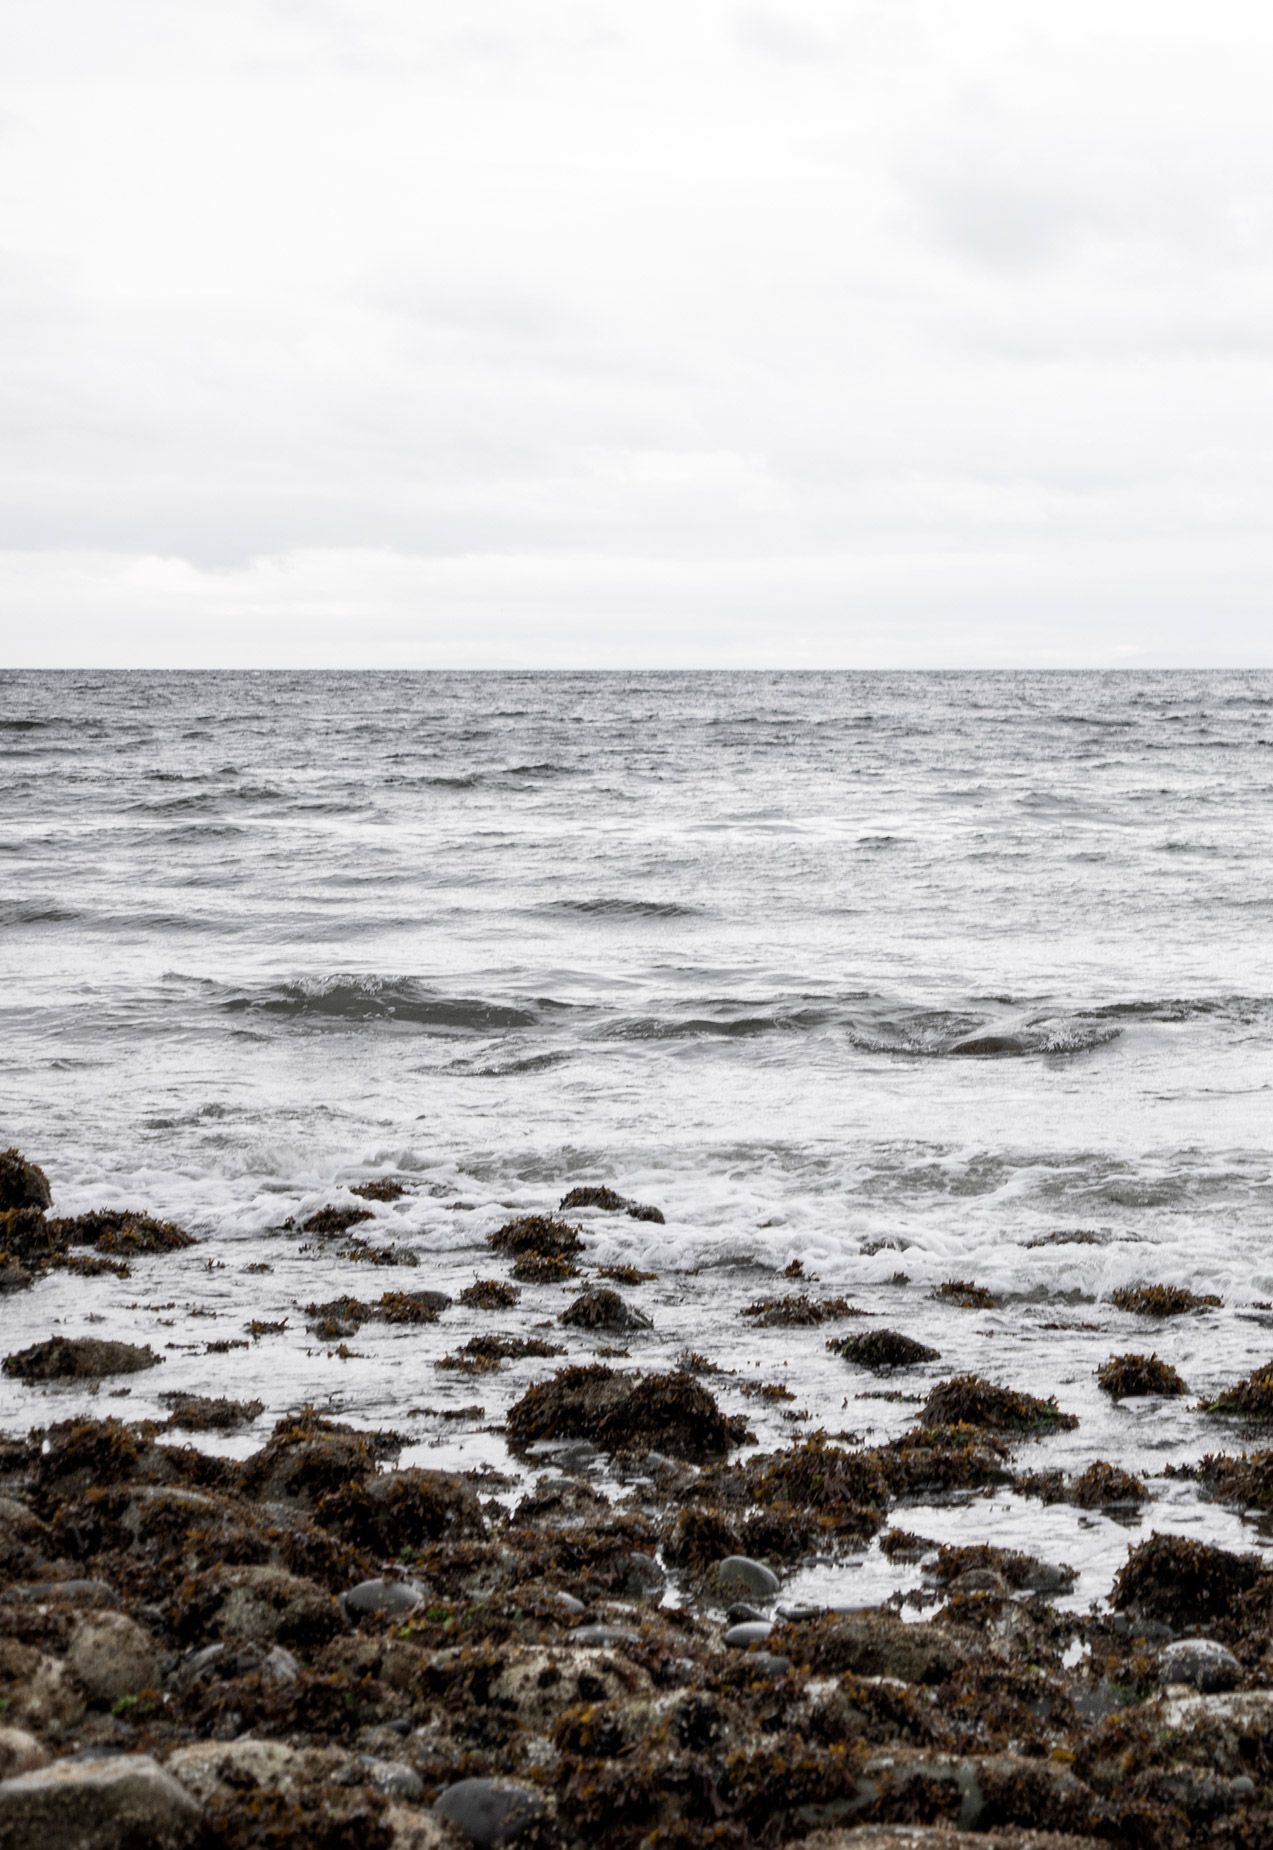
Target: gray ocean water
[{"x": 935, "y": 975}]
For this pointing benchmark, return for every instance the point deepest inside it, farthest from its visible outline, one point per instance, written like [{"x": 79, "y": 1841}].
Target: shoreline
[{"x": 286, "y": 1620}]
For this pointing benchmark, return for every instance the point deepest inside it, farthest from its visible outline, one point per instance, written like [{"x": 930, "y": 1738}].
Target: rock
[
  {"x": 737, "y": 1574},
  {"x": 767, "y": 1664},
  {"x": 537, "y": 1681},
  {"x": 208, "y": 1768},
  {"x": 967, "y": 1400},
  {"x": 392, "y": 1777},
  {"x": 537, "y": 1233},
  {"x": 260, "y": 1606},
  {"x": 78, "y": 1358},
  {"x": 882, "y": 1350},
  {"x": 415, "y": 1830},
  {"x": 20, "y": 1752},
  {"x": 1201, "y": 1662},
  {"x": 276, "y": 1665},
  {"x": 111, "y": 1656},
  {"x": 602, "y": 1635},
  {"x": 1182, "y": 1582},
  {"x": 937, "y": 1837},
  {"x": 879, "y": 1644},
  {"x": 670, "y": 1413},
  {"x": 1245, "y": 1714},
  {"x": 599, "y": 1308},
  {"x": 391, "y": 1596},
  {"x": 752, "y": 1631},
  {"x": 1127, "y": 1376},
  {"x": 123, "y": 1803},
  {"x": 83, "y": 1592},
  {"x": 42, "y": 1697},
  {"x": 489, "y": 1812},
  {"x": 22, "y": 1184}
]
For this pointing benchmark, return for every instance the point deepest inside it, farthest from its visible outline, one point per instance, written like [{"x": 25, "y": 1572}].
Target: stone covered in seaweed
[
  {"x": 670, "y": 1413},
  {"x": 880, "y": 1350},
  {"x": 598, "y": 1308},
  {"x": 798, "y": 1311},
  {"x": 1181, "y": 1582},
  {"x": 22, "y": 1184},
  {"x": 1250, "y": 1399},
  {"x": 537, "y": 1233},
  {"x": 1161, "y": 1300},
  {"x": 967, "y": 1400},
  {"x": 1126, "y": 1376},
  {"x": 79, "y": 1358}
]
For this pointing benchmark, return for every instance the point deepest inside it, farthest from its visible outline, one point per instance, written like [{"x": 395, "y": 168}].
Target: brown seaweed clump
[
  {"x": 798, "y": 1311},
  {"x": 670, "y": 1413},
  {"x": 967, "y": 1400},
  {"x": 1182, "y": 1583},
  {"x": 489, "y": 1294},
  {"x": 122, "y": 1231},
  {"x": 882, "y": 1349},
  {"x": 537, "y": 1233},
  {"x": 79, "y": 1358},
  {"x": 383, "y": 1188},
  {"x": 22, "y": 1184},
  {"x": 543, "y": 1269},
  {"x": 626, "y": 1275},
  {"x": 1103, "y": 1485},
  {"x": 601, "y": 1309},
  {"x": 1129, "y": 1376},
  {"x": 330, "y": 1221},
  {"x": 1161, "y": 1300},
  {"x": 611, "y": 1202},
  {"x": 1250, "y": 1399},
  {"x": 204, "y": 1413},
  {"x": 966, "y": 1294}
]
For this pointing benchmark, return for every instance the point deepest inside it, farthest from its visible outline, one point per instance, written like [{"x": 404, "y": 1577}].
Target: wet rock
[
  {"x": 601, "y": 1309},
  {"x": 490, "y": 1294},
  {"x": 1103, "y": 1486},
  {"x": 626, "y": 1275},
  {"x": 382, "y": 1188},
  {"x": 385, "y": 1596},
  {"x": 207, "y": 1769},
  {"x": 27, "y": 1237},
  {"x": 307, "y": 1456},
  {"x": 537, "y": 1233},
  {"x": 969, "y": 1401},
  {"x": 395, "y": 1510},
  {"x": 593, "y": 1197},
  {"x": 1021, "y": 1572},
  {"x": 490, "y": 1812},
  {"x": 123, "y": 1803},
  {"x": 1201, "y": 1662},
  {"x": 261, "y": 1606},
  {"x": 1250, "y": 1399},
  {"x": 79, "y": 1358},
  {"x": 1125, "y": 1376},
  {"x": 222, "y": 1662},
  {"x": 205, "y": 1413},
  {"x": 669, "y": 1413},
  {"x": 1183, "y": 1583},
  {"x": 878, "y": 1644},
  {"x": 966, "y": 1294},
  {"x": 543, "y": 1269},
  {"x": 20, "y": 1752},
  {"x": 750, "y": 1632},
  {"x": 941, "y": 1837},
  {"x": 123, "y": 1232},
  {"x": 603, "y": 1637},
  {"x": 22, "y": 1184},
  {"x": 111, "y": 1657},
  {"x": 881, "y": 1350},
  {"x": 330, "y": 1221},
  {"x": 738, "y": 1574},
  {"x": 1161, "y": 1300},
  {"x": 798, "y": 1311}
]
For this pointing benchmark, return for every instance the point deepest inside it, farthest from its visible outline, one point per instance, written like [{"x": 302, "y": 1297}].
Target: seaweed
[
  {"x": 882, "y": 1349},
  {"x": 1125, "y": 1376},
  {"x": 330, "y": 1221},
  {"x": 670, "y": 1413},
  {"x": 383, "y": 1188},
  {"x": 1250, "y": 1398},
  {"x": 1181, "y": 1582},
  {"x": 1161, "y": 1300},
  {"x": 798, "y": 1311},
  {"x": 536, "y": 1233},
  {"x": 967, "y": 1400},
  {"x": 490, "y": 1294},
  {"x": 967, "y": 1295},
  {"x": 543, "y": 1269}
]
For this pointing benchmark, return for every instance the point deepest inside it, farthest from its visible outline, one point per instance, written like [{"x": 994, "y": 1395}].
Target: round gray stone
[
  {"x": 737, "y": 1574},
  {"x": 489, "y": 1811},
  {"x": 391, "y": 1596},
  {"x": 752, "y": 1631},
  {"x": 1201, "y": 1662}
]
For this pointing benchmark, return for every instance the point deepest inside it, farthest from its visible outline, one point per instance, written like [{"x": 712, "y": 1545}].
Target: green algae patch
[
  {"x": 1161, "y": 1300},
  {"x": 967, "y": 1400},
  {"x": 1129, "y": 1376}
]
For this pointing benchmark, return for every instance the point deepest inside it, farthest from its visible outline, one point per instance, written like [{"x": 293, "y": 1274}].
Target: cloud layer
[{"x": 343, "y": 331}]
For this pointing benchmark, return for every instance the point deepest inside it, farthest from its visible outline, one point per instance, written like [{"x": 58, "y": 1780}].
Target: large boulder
[
  {"x": 670, "y": 1413},
  {"x": 122, "y": 1803}
]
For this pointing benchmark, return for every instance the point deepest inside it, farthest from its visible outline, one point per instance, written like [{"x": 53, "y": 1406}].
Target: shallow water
[{"x": 890, "y": 974}]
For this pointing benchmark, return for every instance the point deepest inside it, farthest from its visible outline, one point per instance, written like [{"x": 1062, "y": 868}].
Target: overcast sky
[{"x": 663, "y": 333}]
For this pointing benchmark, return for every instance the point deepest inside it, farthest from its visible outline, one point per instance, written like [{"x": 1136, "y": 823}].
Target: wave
[
  {"x": 371, "y": 998},
  {"x": 622, "y": 908}
]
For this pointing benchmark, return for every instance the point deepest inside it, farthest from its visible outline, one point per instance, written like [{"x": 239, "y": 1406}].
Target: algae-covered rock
[
  {"x": 490, "y": 1294},
  {"x": 331, "y": 1221},
  {"x": 537, "y": 1233},
  {"x": 1161, "y": 1300},
  {"x": 79, "y": 1358},
  {"x": 490, "y": 1812},
  {"x": 1103, "y": 1485},
  {"x": 797, "y": 1311},
  {"x": 22, "y": 1184},
  {"x": 966, "y": 1294},
  {"x": 206, "y": 1413},
  {"x": 602, "y": 1309},
  {"x": 969, "y": 1401},
  {"x": 123, "y": 1231},
  {"x": 667, "y": 1413},
  {"x": 1182, "y": 1582},
  {"x": 881, "y": 1350},
  {"x": 396, "y": 1510},
  {"x": 112, "y": 1657},
  {"x": 1249, "y": 1399},
  {"x": 259, "y": 1605},
  {"x": 1125, "y": 1376}
]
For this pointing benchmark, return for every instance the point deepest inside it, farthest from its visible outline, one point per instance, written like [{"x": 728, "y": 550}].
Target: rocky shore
[{"x": 257, "y": 1627}]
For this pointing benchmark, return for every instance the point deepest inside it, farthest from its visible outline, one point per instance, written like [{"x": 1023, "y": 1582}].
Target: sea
[{"x": 908, "y": 978}]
